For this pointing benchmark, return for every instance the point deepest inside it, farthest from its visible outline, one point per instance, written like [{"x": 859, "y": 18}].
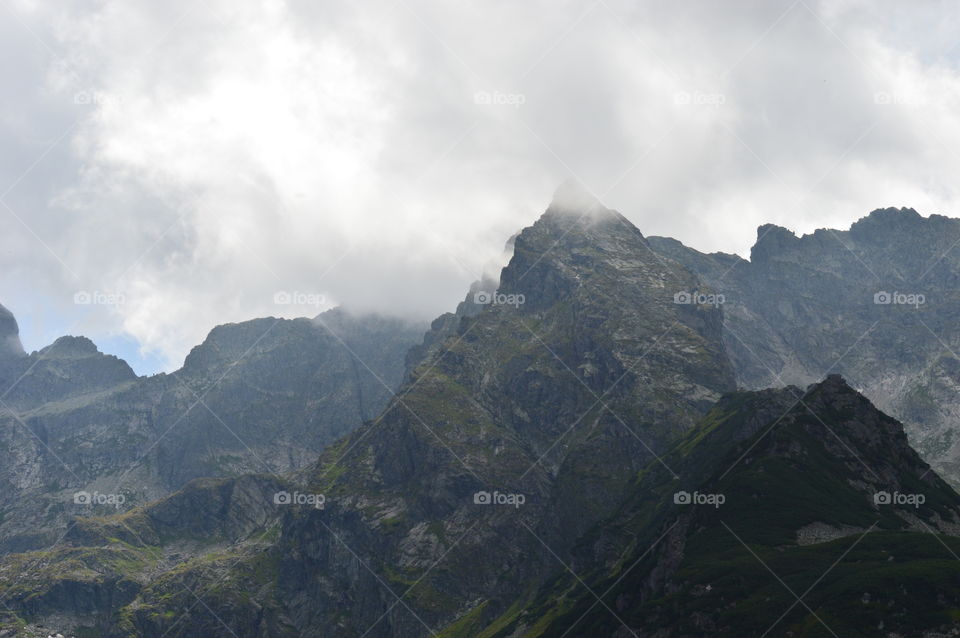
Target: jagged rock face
[
  {"x": 800, "y": 476},
  {"x": 10, "y": 346},
  {"x": 560, "y": 388},
  {"x": 445, "y": 326},
  {"x": 805, "y": 306},
  {"x": 261, "y": 396}
]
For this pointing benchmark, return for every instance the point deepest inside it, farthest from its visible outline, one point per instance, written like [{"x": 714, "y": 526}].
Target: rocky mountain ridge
[
  {"x": 260, "y": 396},
  {"x": 569, "y": 454},
  {"x": 565, "y": 384},
  {"x": 876, "y": 303}
]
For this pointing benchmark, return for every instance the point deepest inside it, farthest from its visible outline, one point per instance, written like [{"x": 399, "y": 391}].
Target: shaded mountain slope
[
  {"x": 260, "y": 396},
  {"x": 826, "y": 485}
]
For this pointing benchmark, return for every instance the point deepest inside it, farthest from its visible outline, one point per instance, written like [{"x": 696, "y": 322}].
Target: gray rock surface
[
  {"x": 802, "y": 307},
  {"x": 265, "y": 395}
]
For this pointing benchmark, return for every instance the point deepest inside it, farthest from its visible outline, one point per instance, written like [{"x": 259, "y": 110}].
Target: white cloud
[{"x": 381, "y": 153}]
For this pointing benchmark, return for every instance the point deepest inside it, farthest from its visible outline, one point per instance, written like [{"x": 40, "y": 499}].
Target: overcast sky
[{"x": 183, "y": 162}]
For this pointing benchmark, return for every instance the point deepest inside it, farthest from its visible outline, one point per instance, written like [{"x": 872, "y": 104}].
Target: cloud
[{"x": 199, "y": 159}]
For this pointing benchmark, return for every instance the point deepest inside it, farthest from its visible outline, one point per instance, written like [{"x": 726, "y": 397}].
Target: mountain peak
[
  {"x": 575, "y": 210},
  {"x": 70, "y": 347},
  {"x": 573, "y": 197},
  {"x": 575, "y": 240},
  {"x": 891, "y": 222},
  {"x": 771, "y": 241},
  {"x": 834, "y": 383},
  {"x": 891, "y": 213}
]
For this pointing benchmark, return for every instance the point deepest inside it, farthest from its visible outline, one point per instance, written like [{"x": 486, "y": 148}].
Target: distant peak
[
  {"x": 774, "y": 231},
  {"x": 891, "y": 213},
  {"x": 885, "y": 220},
  {"x": 70, "y": 346}
]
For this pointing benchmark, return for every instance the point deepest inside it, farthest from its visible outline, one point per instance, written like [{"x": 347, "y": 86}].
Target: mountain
[
  {"x": 265, "y": 395},
  {"x": 572, "y": 377},
  {"x": 876, "y": 303},
  {"x": 69, "y": 368},
  {"x": 779, "y": 489},
  {"x": 568, "y": 382},
  {"x": 568, "y": 454}
]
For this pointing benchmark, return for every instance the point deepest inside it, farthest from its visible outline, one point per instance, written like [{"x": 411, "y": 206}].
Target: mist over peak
[{"x": 571, "y": 197}]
